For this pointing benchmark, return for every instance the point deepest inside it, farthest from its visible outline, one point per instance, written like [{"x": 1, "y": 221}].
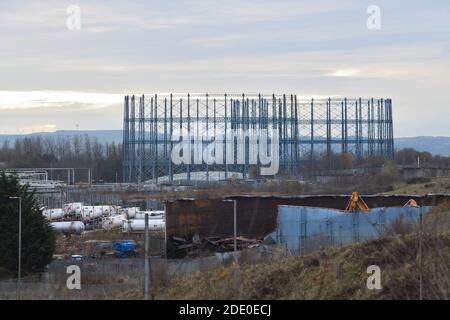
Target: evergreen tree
[{"x": 38, "y": 237}]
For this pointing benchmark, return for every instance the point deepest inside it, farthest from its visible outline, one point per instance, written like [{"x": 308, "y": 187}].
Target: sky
[{"x": 56, "y": 74}]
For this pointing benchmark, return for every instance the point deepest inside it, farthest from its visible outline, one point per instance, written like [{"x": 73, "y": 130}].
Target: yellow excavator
[
  {"x": 356, "y": 203},
  {"x": 411, "y": 203}
]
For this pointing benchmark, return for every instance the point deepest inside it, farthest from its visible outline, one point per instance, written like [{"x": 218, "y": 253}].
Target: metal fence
[
  {"x": 305, "y": 229},
  {"x": 109, "y": 278}
]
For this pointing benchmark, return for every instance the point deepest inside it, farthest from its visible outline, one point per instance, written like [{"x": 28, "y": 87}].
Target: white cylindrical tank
[
  {"x": 113, "y": 222},
  {"x": 151, "y": 215},
  {"x": 73, "y": 208},
  {"x": 69, "y": 226},
  {"x": 131, "y": 212},
  {"x": 139, "y": 225},
  {"x": 53, "y": 214},
  {"x": 87, "y": 213},
  {"x": 156, "y": 212},
  {"x": 105, "y": 210}
]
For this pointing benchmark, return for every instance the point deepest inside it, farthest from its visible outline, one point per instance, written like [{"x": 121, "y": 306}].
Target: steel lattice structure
[{"x": 305, "y": 127}]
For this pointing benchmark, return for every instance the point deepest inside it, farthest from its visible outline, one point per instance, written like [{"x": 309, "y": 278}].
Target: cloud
[
  {"x": 25, "y": 100},
  {"x": 312, "y": 48}
]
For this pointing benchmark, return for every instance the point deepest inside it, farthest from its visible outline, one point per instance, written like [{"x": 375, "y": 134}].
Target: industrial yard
[
  {"x": 225, "y": 226},
  {"x": 220, "y": 159},
  {"x": 212, "y": 240},
  {"x": 221, "y": 227}
]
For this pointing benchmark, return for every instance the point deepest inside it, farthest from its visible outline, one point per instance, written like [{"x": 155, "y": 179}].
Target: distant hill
[
  {"x": 102, "y": 135},
  {"x": 434, "y": 145}
]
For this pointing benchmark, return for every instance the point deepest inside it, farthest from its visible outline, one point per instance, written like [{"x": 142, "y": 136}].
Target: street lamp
[
  {"x": 236, "y": 270},
  {"x": 20, "y": 245}
]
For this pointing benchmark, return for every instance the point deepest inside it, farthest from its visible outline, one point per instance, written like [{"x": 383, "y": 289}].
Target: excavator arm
[{"x": 356, "y": 203}]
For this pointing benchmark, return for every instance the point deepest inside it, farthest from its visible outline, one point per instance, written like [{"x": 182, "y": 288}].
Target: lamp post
[
  {"x": 234, "y": 222},
  {"x": 20, "y": 246},
  {"x": 236, "y": 270}
]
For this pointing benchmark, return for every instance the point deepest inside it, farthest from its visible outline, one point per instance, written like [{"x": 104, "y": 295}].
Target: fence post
[{"x": 146, "y": 264}]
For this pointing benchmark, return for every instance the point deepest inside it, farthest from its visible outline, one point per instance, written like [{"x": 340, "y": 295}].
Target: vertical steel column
[
  {"x": 360, "y": 131},
  {"x": 171, "y": 139},
  {"x": 126, "y": 141},
  {"x": 151, "y": 139},
  {"x": 285, "y": 130},
  {"x": 291, "y": 137},
  {"x": 312, "y": 137},
  {"x": 370, "y": 129},
  {"x": 260, "y": 127},
  {"x": 133, "y": 141},
  {"x": 207, "y": 135},
  {"x": 225, "y": 136},
  {"x": 297, "y": 138},
  {"x": 197, "y": 136},
  {"x": 378, "y": 121},
  {"x": 165, "y": 130},
  {"x": 388, "y": 130},
  {"x": 342, "y": 128},
  {"x": 155, "y": 140},
  {"x": 356, "y": 130},
  {"x": 242, "y": 126},
  {"x": 215, "y": 133},
  {"x": 345, "y": 126},
  {"x": 328, "y": 121},
  {"x": 391, "y": 130},
  {"x": 141, "y": 142},
  {"x": 181, "y": 119},
  {"x": 189, "y": 136},
  {"x": 382, "y": 138}
]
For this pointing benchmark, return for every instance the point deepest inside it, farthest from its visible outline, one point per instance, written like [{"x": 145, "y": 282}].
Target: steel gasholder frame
[{"x": 305, "y": 127}]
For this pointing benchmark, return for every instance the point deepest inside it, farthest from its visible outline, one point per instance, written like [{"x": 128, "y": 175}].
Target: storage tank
[
  {"x": 89, "y": 213},
  {"x": 105, "y": 210},
  {"x": 113, "y": 222},
  {"x": 53, "y": 214},
  {"x": 69, "y": 226},
  {"x": 131, "y": 212},
  {"x": 151, "y": 215},
  {"x": 139, "y": 225},
  {"x": 73, "y": 208}
]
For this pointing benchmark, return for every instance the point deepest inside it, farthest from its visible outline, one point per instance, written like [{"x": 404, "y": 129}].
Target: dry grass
[{"x": 436, "y": 185}]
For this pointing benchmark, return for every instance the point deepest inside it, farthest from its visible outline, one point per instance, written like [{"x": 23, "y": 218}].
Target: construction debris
[{"x": 179, "y": 247}]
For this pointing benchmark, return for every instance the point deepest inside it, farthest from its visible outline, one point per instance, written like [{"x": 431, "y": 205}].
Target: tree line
[
  {"x": 80, "y": 151},
  {"x": 105, "y": 159}
]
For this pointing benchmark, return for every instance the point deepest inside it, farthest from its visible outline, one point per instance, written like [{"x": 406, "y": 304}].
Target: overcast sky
[{"x": 54, "y": 77}]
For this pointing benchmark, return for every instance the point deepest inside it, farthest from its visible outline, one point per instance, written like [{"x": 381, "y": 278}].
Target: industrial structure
[{"x": 305, "y": 129}]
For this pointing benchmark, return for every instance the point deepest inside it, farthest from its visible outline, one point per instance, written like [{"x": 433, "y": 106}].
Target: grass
[
  {"x": 435, "y": 185},
  {"x": 338, "y": 273}
]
